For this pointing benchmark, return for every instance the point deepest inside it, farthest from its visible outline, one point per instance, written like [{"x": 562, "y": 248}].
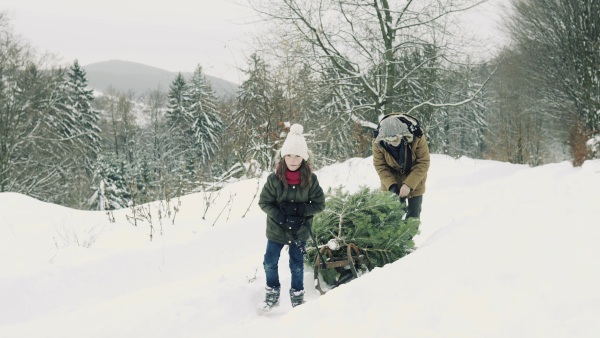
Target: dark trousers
[
  {"x": 414, "y": 206},
  {"x": 271, "y": 261}
]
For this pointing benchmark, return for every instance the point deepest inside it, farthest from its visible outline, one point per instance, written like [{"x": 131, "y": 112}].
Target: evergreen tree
[
  {"x": 372, "y": 220},
  {"x": 178, "y": 114},
  {"x": 257, "y": 119},
  {"x": 78, "y": 128},
  {"x": 207, "y": 125},
  {"x": 181, "y": 126},
  {"x": 85, "y": 117},
  {"x": 112, "y": 191},
  {"x": 335, "y": 137}
]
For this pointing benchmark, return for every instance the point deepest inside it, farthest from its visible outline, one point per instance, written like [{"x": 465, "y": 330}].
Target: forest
[{"x": 336, "y": 67}]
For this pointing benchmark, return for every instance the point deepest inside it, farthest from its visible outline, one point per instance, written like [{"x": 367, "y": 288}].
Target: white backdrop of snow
[{"x": 504, "y": 251}]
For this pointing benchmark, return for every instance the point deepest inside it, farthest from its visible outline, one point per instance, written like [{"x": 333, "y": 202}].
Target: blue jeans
[{"x": 296, "y": 265}]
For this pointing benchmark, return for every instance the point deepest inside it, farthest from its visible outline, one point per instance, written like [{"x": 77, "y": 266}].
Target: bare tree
[
  {"x": 156, "y": 101},
  {"x": 363, "y": 41},
  {"x": 517, "y": 132},
  {"x": 120, "y": 128},
  {"x": 33, "y": 153},
  {"x": 561, "y": 39}
]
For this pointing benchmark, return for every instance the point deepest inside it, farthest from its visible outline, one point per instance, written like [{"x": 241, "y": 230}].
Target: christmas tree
[{"x": 371, "y": 220}]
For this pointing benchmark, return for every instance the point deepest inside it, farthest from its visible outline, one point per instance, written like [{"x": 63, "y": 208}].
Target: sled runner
[{"x": 338, "y": 270}]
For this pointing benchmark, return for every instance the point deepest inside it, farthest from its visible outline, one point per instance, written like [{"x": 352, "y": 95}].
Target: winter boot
[
  {"x": 271, "y": 299},
  {"x": 297, "y": 297}
]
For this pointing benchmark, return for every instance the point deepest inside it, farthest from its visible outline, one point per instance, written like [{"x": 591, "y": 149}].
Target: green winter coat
[
  {"x": 274, "y": 193},
  {"x": 389, "y": 170}
]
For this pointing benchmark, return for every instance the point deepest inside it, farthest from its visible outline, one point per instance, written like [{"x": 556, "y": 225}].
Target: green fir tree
[
  {"x": 372, "y": 220},
  {"x": 207, "y": 125}
]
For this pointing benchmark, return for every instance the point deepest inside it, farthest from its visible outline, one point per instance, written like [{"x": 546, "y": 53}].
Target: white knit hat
[{"x": 294, "y": 143}]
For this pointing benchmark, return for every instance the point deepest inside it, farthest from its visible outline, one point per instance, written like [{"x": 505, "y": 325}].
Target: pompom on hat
[{"x": 294, "y": 143}]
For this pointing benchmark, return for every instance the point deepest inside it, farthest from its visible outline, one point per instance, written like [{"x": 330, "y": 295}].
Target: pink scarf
[{"x": 293, "y": 177}]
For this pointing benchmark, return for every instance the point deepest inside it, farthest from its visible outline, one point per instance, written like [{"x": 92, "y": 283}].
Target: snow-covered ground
[{"x": 504, "y": 251}]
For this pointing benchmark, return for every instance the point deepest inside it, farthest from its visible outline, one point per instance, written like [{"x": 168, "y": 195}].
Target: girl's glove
[
  {"x": 292, "y": 209},
  {"x": 279, "y": 218},
  {"x": 294, "y": 222}
]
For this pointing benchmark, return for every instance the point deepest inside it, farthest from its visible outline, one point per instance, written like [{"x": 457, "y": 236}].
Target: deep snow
[{"x": 504, "y": 251}]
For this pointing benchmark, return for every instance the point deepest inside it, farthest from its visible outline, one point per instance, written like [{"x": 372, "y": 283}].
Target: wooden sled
[{"x": 348, "y": 268}]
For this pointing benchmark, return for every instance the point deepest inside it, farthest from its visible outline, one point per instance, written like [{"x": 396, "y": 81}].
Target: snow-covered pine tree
[
  {"x": 255, "y": 121},
  {"x": 335, "y": 138},
  {"x": 178, "y": 115},
  {"x": 180, "y": 122},
  {"x": 80, "y": 133},
  {"x": 112, "y": 190},
  {"x": 67, "y": 132},
  {"x": 86, "y": 118},
  {"x": 372, "y": 220},
  {"x": 207, "y": 125}
]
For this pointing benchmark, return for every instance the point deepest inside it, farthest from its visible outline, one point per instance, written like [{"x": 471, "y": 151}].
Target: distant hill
[{"x": 126, "y": 75}]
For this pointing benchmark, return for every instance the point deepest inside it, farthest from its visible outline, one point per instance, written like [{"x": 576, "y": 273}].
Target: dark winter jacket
[
  {"x": 390, "y": 172},
  {"x": 274, "y": 193}
]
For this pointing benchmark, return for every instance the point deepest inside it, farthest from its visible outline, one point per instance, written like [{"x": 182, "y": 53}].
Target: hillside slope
[
  {"x": 504, "y": 251},
  {"x": 139, "y": 78}
]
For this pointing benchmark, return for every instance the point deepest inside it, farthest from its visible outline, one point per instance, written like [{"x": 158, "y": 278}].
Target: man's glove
[
  {"x": 293, "y": 209},
  {"x": 394, "y": 188}
]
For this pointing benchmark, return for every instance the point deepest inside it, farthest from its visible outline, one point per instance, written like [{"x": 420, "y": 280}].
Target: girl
[{"x": 290, "y": 198}]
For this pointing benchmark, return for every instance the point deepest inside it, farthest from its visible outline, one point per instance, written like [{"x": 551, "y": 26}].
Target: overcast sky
[{"x": 175, "y": 35}]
